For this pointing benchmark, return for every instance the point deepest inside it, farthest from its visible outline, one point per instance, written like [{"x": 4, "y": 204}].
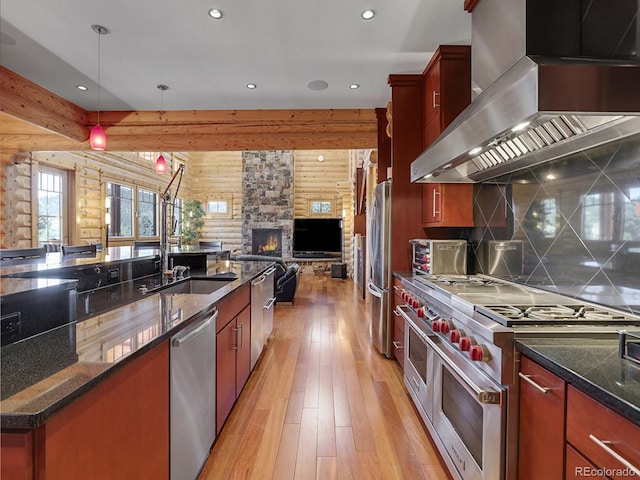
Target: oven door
[
  {"x": 469, "y": 414},
  {"x": 418, "y": 357}
]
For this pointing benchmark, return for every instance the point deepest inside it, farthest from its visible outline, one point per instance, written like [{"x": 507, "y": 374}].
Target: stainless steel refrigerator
[{"x": 379, "y": 286}]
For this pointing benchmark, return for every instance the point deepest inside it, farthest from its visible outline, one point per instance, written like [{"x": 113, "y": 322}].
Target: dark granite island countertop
[
  {"x": 97, "y": 347},
  {"x": 593, "y": 366}
]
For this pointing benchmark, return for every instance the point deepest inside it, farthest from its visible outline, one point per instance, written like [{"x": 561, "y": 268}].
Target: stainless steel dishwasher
[
  {"x": 193, "y": 397},
  {"x": 262, "y": 302}
]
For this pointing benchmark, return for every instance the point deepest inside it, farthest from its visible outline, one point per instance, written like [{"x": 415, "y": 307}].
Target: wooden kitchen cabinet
[
  {"x": 120, "y": 429},
  {"x": 447, "y": 92},
  {"x": 446, "y": 89},
  {"x": 577, "y": 466},
  {"x": 600, "y": 435},
  {"x": 397, "y": 346},
  {"x": 233, "y": 351},
  {"x": 447, "y": 205},
  {"x": 542, "y": 418}
]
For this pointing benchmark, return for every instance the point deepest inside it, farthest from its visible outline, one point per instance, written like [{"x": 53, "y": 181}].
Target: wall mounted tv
[{"x": 317, "y": 237}]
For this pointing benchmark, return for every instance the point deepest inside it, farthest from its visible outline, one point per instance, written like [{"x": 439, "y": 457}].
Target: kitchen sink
[{"x": 196, "y": 285}]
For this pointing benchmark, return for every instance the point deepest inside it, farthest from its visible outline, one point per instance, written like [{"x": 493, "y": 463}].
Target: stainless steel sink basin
[{"x": 196, "y": 285}]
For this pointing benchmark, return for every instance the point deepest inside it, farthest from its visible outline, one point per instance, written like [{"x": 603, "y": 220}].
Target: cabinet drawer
[
  {"x": 231, "y": 305},
  {"x": 579, "y": 467},
  {"x": 398, "y": 288},
  {"x": 602, "y": 436}
]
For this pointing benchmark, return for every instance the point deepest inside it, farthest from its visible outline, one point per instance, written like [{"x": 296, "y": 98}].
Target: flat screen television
[{"x": 319, "y": 237}]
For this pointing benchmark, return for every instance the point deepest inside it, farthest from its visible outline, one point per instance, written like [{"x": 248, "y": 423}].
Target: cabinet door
[
  {"x": 431, "y": 204},
  {"x": 398, "y": 339},
  {"x": 226, "y": 348},
  {"x": 541, "y": 436},
  {"x": 243, "y": 360},
  {"x": 432, "y": 100}
]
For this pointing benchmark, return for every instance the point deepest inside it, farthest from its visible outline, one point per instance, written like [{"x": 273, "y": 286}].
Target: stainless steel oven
[
  {"x": 469, "y": 414},
  {"x": 418, "y": 357},
  {"x": 463, "y": 409}
]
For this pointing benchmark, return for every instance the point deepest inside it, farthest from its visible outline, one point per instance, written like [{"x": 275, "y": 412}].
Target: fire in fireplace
[{"x": 266, "y": 241}]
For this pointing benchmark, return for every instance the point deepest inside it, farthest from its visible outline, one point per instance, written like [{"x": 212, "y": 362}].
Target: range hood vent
[{"x": 541, "y": 108}]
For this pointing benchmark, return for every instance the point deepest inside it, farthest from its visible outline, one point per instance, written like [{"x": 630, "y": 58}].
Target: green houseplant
[{"x": 192, "y": 221}]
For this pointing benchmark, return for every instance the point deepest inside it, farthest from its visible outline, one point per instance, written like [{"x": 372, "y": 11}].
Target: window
[
  {"x": 598, "y": 216},
  {"x": 121, "y": 210},
  {"x": 320, "y": 207},
  {"x": 51, "y": 205},
  {"x": 220, "y": 206},
  {"x": 147, "y": 214},
  {"x": 217, "y": 206},
  {"x": 631, "y": 221},
  {"x": 176, "y": 222}
]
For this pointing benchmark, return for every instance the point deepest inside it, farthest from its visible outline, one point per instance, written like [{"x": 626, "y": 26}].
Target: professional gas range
[{"x": 461, "y": 366}]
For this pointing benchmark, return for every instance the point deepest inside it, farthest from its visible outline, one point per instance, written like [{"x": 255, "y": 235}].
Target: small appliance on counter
[
  {"x": 500, "y": 258},
  {"x": 439, "y": 257}
]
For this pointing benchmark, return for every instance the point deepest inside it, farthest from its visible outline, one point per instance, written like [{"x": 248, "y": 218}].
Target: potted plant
[{"x": 192, "y": 221}]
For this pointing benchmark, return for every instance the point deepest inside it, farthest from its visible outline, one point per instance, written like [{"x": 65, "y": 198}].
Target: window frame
[
  {"x": 65, "y": 230},
  {"x": 135, "y": 209}
]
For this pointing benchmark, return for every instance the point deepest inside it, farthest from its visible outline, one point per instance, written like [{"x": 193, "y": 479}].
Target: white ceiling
[{"x": 280, "y": 45}]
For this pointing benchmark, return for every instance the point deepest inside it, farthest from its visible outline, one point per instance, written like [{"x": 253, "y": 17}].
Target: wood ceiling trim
[
  {"x": 31, "y": 103},
  {"x": 35, "y": 119}
]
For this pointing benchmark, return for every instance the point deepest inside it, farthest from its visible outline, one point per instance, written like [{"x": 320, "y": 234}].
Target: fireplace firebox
[{"x": 266, "y": 241}]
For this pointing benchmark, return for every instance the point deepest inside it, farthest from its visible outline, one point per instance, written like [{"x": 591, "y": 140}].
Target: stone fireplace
[
  {"x": 267, "y": 201},
  {"x": 266, "y": 241}
]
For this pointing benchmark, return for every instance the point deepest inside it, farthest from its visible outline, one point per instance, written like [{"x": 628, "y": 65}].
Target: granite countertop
[
  {"x": 10, "y": 286},
  {"x": 80, "y": 355},
  {"x": 593, "y": 366},
  {"x": 55, "y": 260}
]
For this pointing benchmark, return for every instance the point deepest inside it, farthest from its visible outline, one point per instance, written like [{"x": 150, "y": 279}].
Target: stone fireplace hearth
[{"x": 266, "y": 241}]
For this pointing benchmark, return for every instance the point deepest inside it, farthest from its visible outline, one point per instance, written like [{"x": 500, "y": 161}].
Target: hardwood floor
[{"x": 322, "y": 403}]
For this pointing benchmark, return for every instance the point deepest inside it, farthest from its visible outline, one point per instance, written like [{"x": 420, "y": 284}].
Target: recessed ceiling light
[
  {"x": 321, "y": 158},
  {"x": 368, "y": 14},
  {"x": 251, "y": 86},
  {"x": 215, "y": 13},
  {"x": 353, "y": 86},
  {"x": 317, "y": 85},
  {"x": 82, "y": 87},
  {"x": 550, "y": 176}
]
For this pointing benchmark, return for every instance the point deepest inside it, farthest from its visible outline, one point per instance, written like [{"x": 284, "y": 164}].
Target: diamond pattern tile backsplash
[{"x": 578, "y": 218}]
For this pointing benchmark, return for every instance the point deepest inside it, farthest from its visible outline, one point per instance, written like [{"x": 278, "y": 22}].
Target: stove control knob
[
  {"x": 465, "y": 343},
  {"x": 420, "y": 312},
  {"x": 455, "y": 335},
  {"x": 445, "y": 327},
  {"x": 415, "y": 303},
  {"x": 476, "y": 353},
  {"x": 435, "y": 326},
  {"x": 403, "y": 295},
  {"x": 425, "y": 257},
  {"x": 425, "y": 266}
]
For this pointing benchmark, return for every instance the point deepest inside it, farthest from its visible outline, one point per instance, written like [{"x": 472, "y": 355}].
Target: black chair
[
  {"x": 51, "y": 247},
  {"x": 22, "y": 255},
  {"x": 138, "y": 244},
  {"x": 211, "y": 244},
  {"x": 79, "y": 249}
]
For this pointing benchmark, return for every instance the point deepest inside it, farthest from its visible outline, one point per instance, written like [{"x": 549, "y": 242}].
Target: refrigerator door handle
[{"x": 373, "y": 290}]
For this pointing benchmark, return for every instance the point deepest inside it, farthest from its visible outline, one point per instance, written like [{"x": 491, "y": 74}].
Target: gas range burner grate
[{"x": 513, "y": 315}]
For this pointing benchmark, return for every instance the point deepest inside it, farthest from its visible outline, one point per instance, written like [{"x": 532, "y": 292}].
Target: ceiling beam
[
  {"x": 34, "y": 119},
  {"x": 23, "y": 99}
]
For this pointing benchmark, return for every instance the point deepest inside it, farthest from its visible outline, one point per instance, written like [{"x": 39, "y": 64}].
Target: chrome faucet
[
  {"x": 164, "y": 224},
  {"x": 178, "y": 272}
]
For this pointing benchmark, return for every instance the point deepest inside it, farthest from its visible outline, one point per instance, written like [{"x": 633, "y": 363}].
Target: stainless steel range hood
[{"x": 539, "y": 109}]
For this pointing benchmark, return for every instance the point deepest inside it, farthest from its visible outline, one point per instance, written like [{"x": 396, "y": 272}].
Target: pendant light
[
  {"x": 161, "y": 163},
  {"x": 97, "y": 137}
]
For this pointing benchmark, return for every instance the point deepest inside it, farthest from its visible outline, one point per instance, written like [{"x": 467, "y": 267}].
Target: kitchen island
[{"x": 109, "y": 398}]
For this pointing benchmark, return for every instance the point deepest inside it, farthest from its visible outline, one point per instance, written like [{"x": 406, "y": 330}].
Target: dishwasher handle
[
  {"x": 179, "y": 340},
  {"x": 269, "y": 303}
]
